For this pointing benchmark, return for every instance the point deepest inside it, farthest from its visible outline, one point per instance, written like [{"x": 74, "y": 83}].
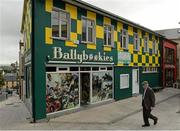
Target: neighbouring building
[
  {"x": 173, "y": 35},
  {"x": 10, "y": 81},
  {"x": 76, "y": 54},
  {"x": 21, "y": 71}
]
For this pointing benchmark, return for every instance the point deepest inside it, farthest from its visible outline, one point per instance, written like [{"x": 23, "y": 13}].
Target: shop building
[
  {"x": 169, "y": 63},
  {"x": 77, "y": 54}
]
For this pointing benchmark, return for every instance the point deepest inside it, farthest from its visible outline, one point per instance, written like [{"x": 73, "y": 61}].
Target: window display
[
  {"x": 101, "y": 86},
  {"x": 62, "y": 91}
]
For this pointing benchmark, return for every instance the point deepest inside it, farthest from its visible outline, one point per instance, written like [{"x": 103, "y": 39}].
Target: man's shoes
[
  {"x": 145, "y": 125},
  {"x": 155, "y": 121}
]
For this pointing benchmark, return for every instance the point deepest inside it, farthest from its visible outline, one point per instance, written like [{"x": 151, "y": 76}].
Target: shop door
[
  {"x": 85, "y": 88},
  {"x": 135, "y": 84}
]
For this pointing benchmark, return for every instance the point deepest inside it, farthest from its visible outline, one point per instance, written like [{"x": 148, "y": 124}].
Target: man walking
[{"x": 148, "y": 102}]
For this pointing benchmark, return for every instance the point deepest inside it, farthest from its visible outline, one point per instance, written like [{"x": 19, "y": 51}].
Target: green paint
[
  {"x": 99, "y": 20},
  {"x": 122, "y": 93},
  {"x": 73, "y": 26}
]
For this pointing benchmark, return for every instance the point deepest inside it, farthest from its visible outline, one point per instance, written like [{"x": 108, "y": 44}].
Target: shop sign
[
  {"x": 27, "y": 57},
  {"x": 58, "y": 54},
  {"x": 124, "y": 57}
]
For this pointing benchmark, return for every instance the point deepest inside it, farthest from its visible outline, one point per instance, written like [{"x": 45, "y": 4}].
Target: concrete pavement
[{"x": 124, "y": 114}]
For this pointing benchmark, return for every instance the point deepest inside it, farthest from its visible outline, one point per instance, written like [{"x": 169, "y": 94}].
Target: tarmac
[{"x": 14, "y": 114}]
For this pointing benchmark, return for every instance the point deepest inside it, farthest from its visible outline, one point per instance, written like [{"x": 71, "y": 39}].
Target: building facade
[
  {"x": 169, "y": 62},
  {"x": 77, "y": 54},
  {"x": 173, "y": 35}
]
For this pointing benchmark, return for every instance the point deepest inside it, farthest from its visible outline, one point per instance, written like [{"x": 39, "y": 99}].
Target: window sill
[
  {"x": 59, "y": 38},
  {"x": 86, "y": 42},
  {"x": 150, "y": 72},
  {"x": 109, "y": 46},
  {"x": 136, "y": 50}
]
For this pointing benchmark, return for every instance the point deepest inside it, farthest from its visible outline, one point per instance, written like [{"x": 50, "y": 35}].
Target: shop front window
[
  {"x": 28, "y": 83},
  {"x": 102, "y": 85},
  {"x": 62, "y": 91}
]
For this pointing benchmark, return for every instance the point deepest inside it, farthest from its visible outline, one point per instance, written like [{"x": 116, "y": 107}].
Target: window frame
[
  {"x": 59, "y": 11},
  {"x": 127, "y": 86},
  {"x": 126, "y": 37},
  {"x": 138, "y": 41},
  {"x": 146, "y": 40},
  {"x": 154, "y": 44},
  {"x": 107, "y": 34},
  {"x": 93, "y": 29}
]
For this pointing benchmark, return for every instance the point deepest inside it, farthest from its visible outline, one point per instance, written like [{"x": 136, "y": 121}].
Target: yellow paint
[
  {"x": 107, "y": 21},
  {"x": 107, "y": 48},
  {"x": 131, "y": 64},
  {"x": 135, "y": 58},
  {"x": 130, "y": 30},
  {"x": 79, "y": 27},
  {"x": 131, "y": 48},
  {"x": 143, "y": 59},
  {"x": 147, "y": 64},
  {"x": 156, "y": 60},
  {"x": 91, "y": 15},
  {"x": 120, "y": 64},
  {"x": 150, "y": 59},
  {"x": 115, "y": 36},
  {"x": 139, "y": 33},
  {"x": 72, "y": 10},
  {"x": 119, "y": 46},
  {"x": 70, "y": 44},
  {"x": 150, "y": 45},
  {"x": 91, "y": 46},
  {"x": 48, "y": 35},
  {"x": 119, "y": 26},
  {"x": 139, "y": 64},
  {"x": 147, "y": 34},
  {"x": 99, "y": 32},
  {"x": 73, "y": 36},
  {"x": 49, "y": 5},
  {"x": 142, "y": 42},
  {"x": 153, "y": 65},
  {"x": 140, "y": 51}
]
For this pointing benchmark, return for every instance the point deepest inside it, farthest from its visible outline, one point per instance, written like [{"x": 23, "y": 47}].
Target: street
[{"x": 124, "y": 114}]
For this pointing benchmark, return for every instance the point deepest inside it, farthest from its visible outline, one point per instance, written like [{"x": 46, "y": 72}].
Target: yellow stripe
[
  {"x": 115, "y": 36},
  {"x": 49, "y": 5},
  {"x": 139, "y": 64},
  {"x": 91, "y": 15},
  {"x": 131, "y": 64},
  {"x": 120, "y": 64},
  {"x": 119, "y": 26},
  {"x": 73, "y": 36},
  {"x": 143, "y": 59},
  {"x": 91, "y": 46},
  {"x": 135, "y": 58},
  {"x": 72, "y": 10},
  {"x": 48, "y": 35},
  {"x": 130, "y": 30},
  {"x": 107, "y": 21},
  {"x": 99, "y": 32},
  {"x": 107, "y": 48},
  {"x": 70, "y": 44},
  {"x": 79, "y": 27}
]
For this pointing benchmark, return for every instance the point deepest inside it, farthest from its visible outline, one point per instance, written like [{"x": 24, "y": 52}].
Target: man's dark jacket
[{"x": 149, "y": 99}]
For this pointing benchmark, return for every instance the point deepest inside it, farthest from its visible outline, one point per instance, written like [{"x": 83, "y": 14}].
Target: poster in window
[
  {"x": 62, "y": 91},
  {"x": 102, "y": 86}
]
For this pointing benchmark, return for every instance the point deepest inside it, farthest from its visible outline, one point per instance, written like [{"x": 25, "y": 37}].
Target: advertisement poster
[
  {"x": 102, "y": 86},
  {"x": 124, "y": 57},
  {"x": 62, "y": 91}
]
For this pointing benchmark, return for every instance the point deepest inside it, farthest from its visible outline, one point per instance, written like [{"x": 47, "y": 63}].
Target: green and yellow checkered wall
[{"x": 138, "y": 58}]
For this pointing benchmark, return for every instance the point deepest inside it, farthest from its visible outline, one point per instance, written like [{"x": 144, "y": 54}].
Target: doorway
[
  {"x": 135, "y": 77},
  {"x": 85, "y": 88}
]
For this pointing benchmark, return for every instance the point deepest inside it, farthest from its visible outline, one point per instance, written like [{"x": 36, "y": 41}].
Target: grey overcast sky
[{"x": 153, "y": 14}]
